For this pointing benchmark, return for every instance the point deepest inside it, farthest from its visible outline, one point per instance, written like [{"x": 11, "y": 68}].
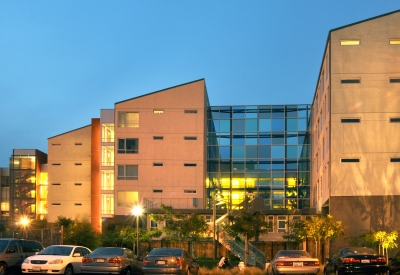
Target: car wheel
[
  {"x": 3, "y": 269},
  {"x": 69, "y": 270}
]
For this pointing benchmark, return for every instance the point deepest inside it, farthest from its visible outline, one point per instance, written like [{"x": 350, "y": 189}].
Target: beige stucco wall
[
  {"x": 374, "y": 101},
  {"x": 62, "y": 149},
  {"x": 173, "y": 151}
]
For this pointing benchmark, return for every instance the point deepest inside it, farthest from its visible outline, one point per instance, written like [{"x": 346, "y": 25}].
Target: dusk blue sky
[{"x": 63, "y": 61}]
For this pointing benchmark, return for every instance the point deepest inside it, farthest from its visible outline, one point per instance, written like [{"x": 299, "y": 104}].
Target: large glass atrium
[{"x": 259, "y": 151}]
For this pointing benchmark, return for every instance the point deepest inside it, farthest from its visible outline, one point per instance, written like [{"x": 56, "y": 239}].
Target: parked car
[
  {"x": 169, "y": 261},
  {"x": 56, "y": 259},
  {"x": 394, "y": 264},
  {"x": 293, "y": 262},
  {"x": 111, "y": 260},
  {"x": 14, "y": 251},
  {"x": 356, "y": 260}
]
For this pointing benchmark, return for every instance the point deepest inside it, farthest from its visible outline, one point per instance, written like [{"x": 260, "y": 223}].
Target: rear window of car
[
  {"x": 358, "y": 251},
  {"x": 108, "y": 251},
  {"x": 293, "y": 254},
  {"x": 166, "y": 252},
  {"x": 56, "y": 250},
  {"x": 3, "y": 245},
  {"x": 31, "y": 246}
]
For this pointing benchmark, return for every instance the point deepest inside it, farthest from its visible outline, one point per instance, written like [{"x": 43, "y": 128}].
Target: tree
[
  {"x": 181, "y": 227},
  {"x": 248, "y": 225},
  {"x": 387, "y": 241},
  {"x": 79, "y": 232},
  {"x": 321, "y": 228}
]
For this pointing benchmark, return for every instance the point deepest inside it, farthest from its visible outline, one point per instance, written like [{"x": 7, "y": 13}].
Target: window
[
  {"x": 394, "y": 41},
  {"x": 350, "y": 81},
  {"x": 128, "y": 120},
  {"x": 189, "y": 164},
  {"x": 78, "y": 164},
  {"x": 281, "y": 224},
  {"x": 107, "y": 132},
  {"x": 157, "y": 190},
  {"x": 394, "y": 80},
  {"x": 395, "y": 119},
  {"x": 350, "y": 120},
  {"x": 189, "y": 191},
  {"x": 78, "y": 204},
  {"x": 395, "y": 160},
  {"x": 78, "y": 143},
  {"x": 190, "y": 111},
  {"x": 158, "y": 138},
  {"x": 190, "y": 138},
  {"x": 78, "y": 184},
  {"x": 56, "y": 184},
  {"x": 128, "y": 146},
  {"x": 158, "y": 111},
  {"x": 127, "y": 198},
  {"x": 153, "y": 225},
  {"x": 56, "y": 164},
  {"x": 350, "y": 160},
  {"x": 107, "y": 180},
  {"x": 158, "y": 164},
  {"x": 350, "y": 42},
  {"x": 56, "y": 204},
  {"x": 127, "y": 172},
  {"x": 56, "y": 144}
]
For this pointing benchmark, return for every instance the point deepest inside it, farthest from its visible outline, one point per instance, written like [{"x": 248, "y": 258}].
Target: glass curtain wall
[{"x": 262, "y": 151}]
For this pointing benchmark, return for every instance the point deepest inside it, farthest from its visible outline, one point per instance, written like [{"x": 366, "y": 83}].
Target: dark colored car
[
  {"x": 111, "y": 260},
  {"x": 293, "y": 262},
  {"x": 169, "y": 261},
  {"x": 14, "y": 251},
  {"x": 394, "y": 264},
  {"x": 356, "y": 260}
]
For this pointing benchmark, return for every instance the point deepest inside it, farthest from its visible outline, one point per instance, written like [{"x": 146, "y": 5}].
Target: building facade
[{"x": 355, "y": 126}]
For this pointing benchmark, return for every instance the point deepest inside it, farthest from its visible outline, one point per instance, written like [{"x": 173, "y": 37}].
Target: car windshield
[
  {"x": 358, "y": 251},
  {"x": 165, "y": 252},
  {"x": 3, "y": 245},
  {"x": 292, "y": 254},
  {"x": 56, "y": 250},
  {"x": 108, "y": 251}
]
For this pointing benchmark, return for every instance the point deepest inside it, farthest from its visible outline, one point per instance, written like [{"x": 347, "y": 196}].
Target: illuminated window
[
  {"x": 107, "y": 204},
  {"x": 128, "y": 120},
  {"x": 158, "y": 111},
  {"x": 350, "y": 42},
  {"x": 127, "y": 172},
  {"x": 128, "y": 146},
  {"x": 107, "y": 180},
  {"x": 350, "y": 120},
  {"x": 107, "y": 132},
  {"x": 350, "y": 81},
  {"x": 127, "y": 198},
  {"x": 394, "y": 41},
  {"x": 350, "y": 160},
  {"x": 107, "y": 155}
]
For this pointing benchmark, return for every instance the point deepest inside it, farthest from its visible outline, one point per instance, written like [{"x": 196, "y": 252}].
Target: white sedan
[
  {"x": 293, "y": 262},
  {"x": 56, "y": 259}
]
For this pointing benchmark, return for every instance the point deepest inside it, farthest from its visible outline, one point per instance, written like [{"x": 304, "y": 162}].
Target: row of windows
[
  {"x": 356, "y": 42},
  {"x": 131, "y": 145},
  {"x": 358, "y": 120},
  {"x": 289, "y": 138},
  {"x": 59, "y": 164},
  {"x": 358, "y": 80},
  {"x": 59, "y": 144},
  {"x": 131, "y": 172},
  {"x": 262, "y": 111},
  {"x": 58, "y": 184},
  {"x": 131, "y": 119},
  {"x": 59, "y": 204},
  {"x": 358, "y": 160},
  {"x": 258, "y": 152},
  {"x": 258, "y": 125},
  {"x": 184, "y": 191}
]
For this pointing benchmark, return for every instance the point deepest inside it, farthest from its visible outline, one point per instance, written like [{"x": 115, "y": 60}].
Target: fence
[{"x": 47, "y": 236}]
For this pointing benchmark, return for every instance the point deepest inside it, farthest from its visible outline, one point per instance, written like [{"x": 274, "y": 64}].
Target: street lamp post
[{"x": 137, "y": 211}]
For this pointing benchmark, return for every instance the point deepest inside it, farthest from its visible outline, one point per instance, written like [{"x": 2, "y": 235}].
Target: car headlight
[
  {"x": 55, "y": 261},
  {"x": 26, "y": 261}
]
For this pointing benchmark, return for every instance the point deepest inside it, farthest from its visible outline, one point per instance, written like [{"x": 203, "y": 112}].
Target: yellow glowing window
[
  {"x": 394, "y": 41},
  {"x": 158, "y": 111},
  {"x": 349, "y": 42}
]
